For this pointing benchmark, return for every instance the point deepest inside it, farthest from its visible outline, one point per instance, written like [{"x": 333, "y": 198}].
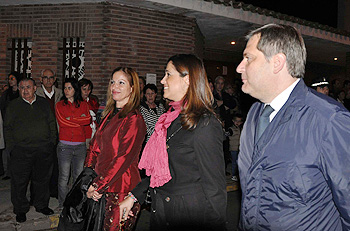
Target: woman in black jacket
[
  {"x": 184, "y": 156},
  {"x": 7, "y": 96},
  {"x": 11, "y": 92}
]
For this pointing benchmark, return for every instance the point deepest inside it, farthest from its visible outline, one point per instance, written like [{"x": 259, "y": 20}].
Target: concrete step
[{"x": 35, "y": 221}]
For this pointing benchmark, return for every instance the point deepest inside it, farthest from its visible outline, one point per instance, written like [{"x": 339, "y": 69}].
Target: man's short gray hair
[
  {"x": 277, "y": 38},
  {"x": 27, "y": 79},
  {"x": 42, "y": 72},
  {"x": 218, "y": 78}
]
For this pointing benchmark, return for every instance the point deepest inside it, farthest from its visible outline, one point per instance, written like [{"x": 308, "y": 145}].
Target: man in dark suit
[{"x": 295, "y": 153}]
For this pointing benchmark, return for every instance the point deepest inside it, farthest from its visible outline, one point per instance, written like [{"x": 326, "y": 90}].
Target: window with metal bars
[
  {"x": 73, "y": 58},
  {"x": 21, "y": 56}
]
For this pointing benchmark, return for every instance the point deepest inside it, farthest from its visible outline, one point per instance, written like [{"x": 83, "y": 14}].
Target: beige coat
[
  {"x": 58, "y": 93},
  {"x": 234, "y": 139}
]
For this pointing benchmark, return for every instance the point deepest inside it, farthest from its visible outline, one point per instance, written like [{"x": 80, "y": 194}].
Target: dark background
[{"x": 321, "y": 11}]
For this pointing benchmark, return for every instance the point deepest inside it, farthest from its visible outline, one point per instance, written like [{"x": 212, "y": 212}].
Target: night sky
[{"x": 321, "y": 11}]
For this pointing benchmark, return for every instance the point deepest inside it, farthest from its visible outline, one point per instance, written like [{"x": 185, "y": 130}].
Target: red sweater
[{"x": 72, "y": 121}]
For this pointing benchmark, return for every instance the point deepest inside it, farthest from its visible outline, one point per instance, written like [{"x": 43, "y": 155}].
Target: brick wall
[{"x": 114, "y": 35}]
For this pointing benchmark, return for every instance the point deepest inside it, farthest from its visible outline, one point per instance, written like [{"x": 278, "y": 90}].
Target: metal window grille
[
  {"x": 21, "y": 56},
  {"x": 73, "y": 58}
]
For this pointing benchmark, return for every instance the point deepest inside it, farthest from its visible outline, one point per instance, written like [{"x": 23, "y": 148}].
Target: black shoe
[
  {"x": 21, "y": 217},
  {"x": 6, "y": 178},
  {"x": 46, "y": 211}
]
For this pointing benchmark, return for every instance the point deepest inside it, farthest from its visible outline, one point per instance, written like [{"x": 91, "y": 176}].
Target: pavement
[{"x": 37, "y": 221}]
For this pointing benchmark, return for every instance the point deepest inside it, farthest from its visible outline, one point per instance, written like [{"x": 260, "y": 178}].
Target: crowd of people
[
  {"x": 291, "y": 156},
  {"x": 44, "y": 132},
  {"x": 339, "y": 92}
]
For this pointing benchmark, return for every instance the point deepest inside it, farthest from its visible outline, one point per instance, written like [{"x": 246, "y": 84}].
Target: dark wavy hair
[
  {"x": 77, "y": 91},
  {"x": 16, "y": 74},
  {"x": 198, "y": 99},
  {"x": 151, "y": 86},
  {"x": 84, "y": 82}
]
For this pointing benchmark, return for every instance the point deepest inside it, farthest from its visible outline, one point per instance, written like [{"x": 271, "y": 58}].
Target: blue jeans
[
  {"x": 234, "y": 156},
  {"x": 70, "y": 157}
]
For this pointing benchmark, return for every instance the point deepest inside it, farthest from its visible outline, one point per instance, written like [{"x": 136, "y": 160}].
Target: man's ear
[
  {"x": 279, "y": 61},
  {"x": 41, "y": 80}
]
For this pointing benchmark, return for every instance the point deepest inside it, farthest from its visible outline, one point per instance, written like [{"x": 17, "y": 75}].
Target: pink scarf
[{"x": 154, "y": 157}]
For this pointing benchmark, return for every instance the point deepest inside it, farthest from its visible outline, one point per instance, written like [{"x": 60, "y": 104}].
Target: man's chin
[{"x": 245, "y": 88}]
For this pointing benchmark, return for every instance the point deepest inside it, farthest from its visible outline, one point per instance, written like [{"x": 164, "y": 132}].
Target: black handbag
[{"x": 79, "y": 212}]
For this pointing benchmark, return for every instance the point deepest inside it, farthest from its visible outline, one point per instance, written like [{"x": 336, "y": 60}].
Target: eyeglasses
[
  {"x": 12, "y": 78},
  {"x": 48, "y": 77}
]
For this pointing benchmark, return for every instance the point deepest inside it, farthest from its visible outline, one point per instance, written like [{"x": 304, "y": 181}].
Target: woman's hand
[
  {"x": 93, "y": 194},
  {"x": 125, "y": 208}
]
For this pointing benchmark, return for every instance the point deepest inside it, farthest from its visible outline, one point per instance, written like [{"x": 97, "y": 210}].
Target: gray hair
[
  {"x": 27, "y": 79},
  {"x": 277, "y": 38},
  {"x": 42, "y": 72},
  {"x": 218, "y": 78}
]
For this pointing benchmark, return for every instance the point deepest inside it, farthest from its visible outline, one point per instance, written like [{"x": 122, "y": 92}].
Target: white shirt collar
[
  {"x": 278, "y": 102},
  {"x": 47, "y": 93},
  {"x": 32, "y": 101}
]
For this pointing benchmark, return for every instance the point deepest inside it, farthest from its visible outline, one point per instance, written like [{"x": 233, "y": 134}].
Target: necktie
[{"x": 264, "y": 120}]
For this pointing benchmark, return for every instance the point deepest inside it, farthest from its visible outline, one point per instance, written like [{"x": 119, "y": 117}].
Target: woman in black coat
[
  {"x": 11, "y": 92},
  {"x": 184, "y": 156}
]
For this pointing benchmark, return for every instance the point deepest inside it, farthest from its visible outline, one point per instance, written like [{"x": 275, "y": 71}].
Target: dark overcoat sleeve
[{"x": 208, "y": 147}]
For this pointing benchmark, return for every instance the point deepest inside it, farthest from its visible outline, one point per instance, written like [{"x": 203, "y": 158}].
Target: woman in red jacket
[
  {"x": 73, "y": 116},
  {"x": 115, "y": 148}
]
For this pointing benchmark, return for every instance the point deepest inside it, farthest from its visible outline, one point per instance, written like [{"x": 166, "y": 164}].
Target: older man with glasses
[{"x": 48, "y": 89}]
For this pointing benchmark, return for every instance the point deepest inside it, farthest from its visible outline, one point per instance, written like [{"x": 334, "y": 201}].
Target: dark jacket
[
  {"x": 79, "y": 212},
  {"x": 29, "y": 125},
  {"x": 196, "y": 163},
  {"x": 225, "y": 112},
  {"x": 297, "y": 175},
  {"x": 7, "y": 96}
]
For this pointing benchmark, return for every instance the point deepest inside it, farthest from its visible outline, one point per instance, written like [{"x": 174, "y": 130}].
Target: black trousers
[
  {"x": 185, "y": 210},
  {"x": 30, "y": 165}
]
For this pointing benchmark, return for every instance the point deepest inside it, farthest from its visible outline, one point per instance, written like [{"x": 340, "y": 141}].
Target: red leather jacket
[
  {"x": 72, "y": 129},
  {"x": 114, "y": 153}
]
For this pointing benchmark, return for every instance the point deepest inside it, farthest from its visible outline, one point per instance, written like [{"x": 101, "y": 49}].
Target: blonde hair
[{"x": 134, "y": 100}]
